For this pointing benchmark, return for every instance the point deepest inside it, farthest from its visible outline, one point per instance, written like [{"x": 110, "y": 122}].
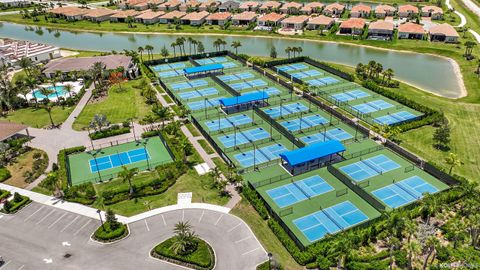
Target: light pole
[
  {"x": 91, "y": 141},
  {"x": 101, "y": 220},
  {"x": 133, "y": 129},
  {"x": 270, "y": 255}
]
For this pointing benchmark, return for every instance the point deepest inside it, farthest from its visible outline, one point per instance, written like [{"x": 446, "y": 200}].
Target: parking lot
[{"x": 45, "y": 237}]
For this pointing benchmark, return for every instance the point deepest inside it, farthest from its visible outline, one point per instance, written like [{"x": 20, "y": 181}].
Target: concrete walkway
[{"x": 463, "y": 20}]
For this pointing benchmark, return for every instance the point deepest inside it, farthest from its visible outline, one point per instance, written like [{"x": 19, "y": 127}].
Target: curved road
[{"x": 42, "y": 235}]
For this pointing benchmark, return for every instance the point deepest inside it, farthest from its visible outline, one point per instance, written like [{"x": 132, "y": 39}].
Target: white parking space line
[
  {"x": 218, "y": 220},
  {"x": 34, "y": 213},
  {"x": 51, "y": 212},
  {"x": 21, "y": 267},
  {"x": 6, "y": 264},
  {"x": 164, "y": 223},
  {"x": 146, "y": 224},
  {"x": 253, "y": 250},
  {"x": 201, "y": 216},
  {"x": 68, "y": 225},
  {"x": 55, "y": 222},
  {"x": 236, "y": 226},
  {"x": 183, "y": 215},
  {"x": 243, "y": 239},
  {"x": 84, "y": 225}
]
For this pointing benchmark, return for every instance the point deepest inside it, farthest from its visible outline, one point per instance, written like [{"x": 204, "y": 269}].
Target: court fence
[
  {"x": 363, "y": 152},
  {"x": 356, "y": 188},
  {"x": 285, "y": 212},
  {"x": 229, "y": 129},
  {"x": 257, "y": 167},
  {"x": 112, "y": 143},
  {"x": 251, "y": 143},
  {"x": 225, "y": 86},
  {"x": 271, "y": 180}
]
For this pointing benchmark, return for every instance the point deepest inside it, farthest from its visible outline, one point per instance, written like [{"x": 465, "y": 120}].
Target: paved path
[{"x": 463, "y": 20}]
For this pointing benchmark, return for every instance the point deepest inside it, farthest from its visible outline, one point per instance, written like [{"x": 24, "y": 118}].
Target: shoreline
[{"x": 456, "y": 67}]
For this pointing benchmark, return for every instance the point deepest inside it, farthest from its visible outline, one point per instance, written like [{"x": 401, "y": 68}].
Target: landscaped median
[
  {"x": 111, "y": 230},
  {"x": 14, "y": 205}
]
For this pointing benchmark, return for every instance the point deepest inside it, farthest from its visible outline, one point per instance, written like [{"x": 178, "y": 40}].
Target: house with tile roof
[
  {"x": 170, "y": 5},
  {"x": 312, "y": 7},
  {"x": 149, "y": 17},
  {"x": 381, "y": 30},
  {"x": 122, "y": 15},
  {"x": 249, "y": 6},
  {"x": 295, "y": 22},
  {"x": 219, "y": 18},
  {"x": 320, "y": 22},
  {"x": 209, "y": 5},
  {"x": 434, "y": 12},
  {"x": 244, "y": 18},
  {"x": 291, "y": 8},
  {"x": 407, "y": 11},
  {"x": 172, "y": 16},
  {"x": 270, "y": 6},
  {"x": 230, "y": 6},
  {"x": 410, "y": 30},
  {"x": 99, "y": 14},
  {"x": 195, "y": 18},
  {"x": 360, "y": 11},
  {"x": 271, "y": 19},
  {"x": 352, "y": 26},
  {"x": 11, "y": 51},
  {"x": 334, "y": 10},
  {"x": 382, "y": 11},
  {"x": 188, "y": 6},
  {"x": 444, "y": 33}
]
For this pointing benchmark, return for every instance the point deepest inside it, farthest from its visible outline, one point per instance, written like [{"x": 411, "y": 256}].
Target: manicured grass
[
  {"x": 202, "y": 256},
  {"x": 38, "y": 117},
  {"x": 119, "y": 106},
  {"x": 4, "y": 174},
  {"x": 106, "y": 234},
  {"x": 264, "y": 234},
  {"x": 193, "y": 129},
  {"x": 206, "y": 146},
  {"x": 190, "y": 182},
  {"x": 168, "y": 99}
]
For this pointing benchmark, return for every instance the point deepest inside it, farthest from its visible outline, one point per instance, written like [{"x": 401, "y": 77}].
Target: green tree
[
  {"x": 140, "y": 50},
  {"x": 127, "y": 176},
  {"x": 47, "y": 106},
  {"x": 469, "y": 48},
  {"x": 236, "y": 45},
  {"x": 441, "y": 137},
  {"x": 111, "y": 219},
  {"x": 273, "y": 52},
  {"x": 149, "y": 49},
  {"x": 162, "y": 113},
  {"x": 288, "y": 50},
  {"x": 430, "y": 246},
  {"x": 200, "y": 47},
  {"x": 412, "y": 248},
  {"x": 453, "y": 161},
  {"x": 98, "y": 122},
  {"x": 184, "y": 239},
  {"x": 174, "y": 45},
  {"x": 164, "y": 52}
]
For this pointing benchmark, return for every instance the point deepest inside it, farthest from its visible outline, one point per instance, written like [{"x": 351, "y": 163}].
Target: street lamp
[
  {"x": 270, "y": 256},
  {"x": 101, "y": 220}
]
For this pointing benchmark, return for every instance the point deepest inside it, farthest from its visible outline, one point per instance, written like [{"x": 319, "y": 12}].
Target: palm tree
[
  {"x": 184, "y": 238},
  {"x": 46, "y": 92},
  {"x": 186, "y": 148},
  {"x": 31, "y": 84},
  {"x": 200, "y": 47},
  {"x": 129, "y": 20},
  {"x": 173, "y": 45},
  {"x": 190, "y": 42},
  {"x": 69, "y": 88},
  {"x": 182, "y": 228},
  {"x": 26, "y": 64},
  {"x": 453, "y": 161},
  {"x": 429, "y": 206},
  {"x": 431, "y": 245},
  {"x": 181, "y": 45},
  {"x": 97, "y": 73},
  {"x": 140, "y": 51},
  {"x": 149, "y": 49},
  {"x": 387, "y": 74},
  {"x": 412, "y": 248},
  {"x": 194, "y": 43},
  {"x": 162, "y": 113},
  {"x": 236, "y": 45},
  {"x": 288, "y": 50},
  {"x": 342, "y": 248},
  {"x": 299, "y": 50},
  {"x": 393, "y": 244},
  {"x": 164, "y": 52},
  {"x": 21, "y": 88},
  {"x": 127, "y": 175},
  {"x": 47, "y": 106},
  {"x": 150, "y": 94},
  {"x": 183, "y": 111}
]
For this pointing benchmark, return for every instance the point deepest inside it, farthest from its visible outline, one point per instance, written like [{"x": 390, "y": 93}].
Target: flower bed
[{"x": 202, "y": 258}]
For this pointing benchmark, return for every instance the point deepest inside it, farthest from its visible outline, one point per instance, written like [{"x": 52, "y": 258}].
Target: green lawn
[
  {"x": 190, "y": 182},
  {"x": 120, "y": 105},
  {"x": 206, "y": 146},
  {"x": 37, "y": 117}
]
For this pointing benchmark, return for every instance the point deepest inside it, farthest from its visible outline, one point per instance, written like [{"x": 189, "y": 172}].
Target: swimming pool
[{"x": 57, "y": 90}]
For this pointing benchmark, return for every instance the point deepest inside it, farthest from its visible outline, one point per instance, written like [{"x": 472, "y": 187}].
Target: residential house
[
  {"x": 295, "y": 22},
  {"x": 195, "y": 18},
  {"x": 312, "y": 7},
  {"x": 170, "y": 5},
  {"x": 68, "y": 13},
  {"x": 189, "y": 6},
  {"x": 149, "y": 17},
  {"x": 443, "y": 32},
  {"x": 382, "y": 11},
  {"x": 14, "y": 3},
  {"x": 352, "y": 26},
  {"x": 334, "y": 10},
  {"x": 219, "y": 18},
  {"x": 244, "y": 18},
  {"x": 410, "y": 31},
  {"x": 11, "y": 51},
  {"x": 407, "y": 11},
  {"x": 434, "y": 12},
  {"x": 229, "y": 6},
  {"x": 99, "y": 14},
  {"x": 270, "y": 6},
  {"x": 141, "y": 6},
  {"x": 271, "y": 19},
  {"x": 172, "y": 16},
  {"x": 380, "y": 30},
  {"x": 291, "y": 8},
  {"x": 209, "y": 5},
  {"x": 249, "y": 6},
  {"x": 360, "y": 11},
  {"x": 320, "y": 22},
  {"x": 127, "y": 4},
  {"x": 122, "y": 15}
]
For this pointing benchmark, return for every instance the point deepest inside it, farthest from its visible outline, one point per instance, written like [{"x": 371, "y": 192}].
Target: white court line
[
  {"x": 84, "y": 225},
  {"x": 201, "y": 216},
  {"x": 243, "y": 239},
  {"x": 34, "y": 213},
  {"x": 253, "y": 250},
  {"x": 51, "y": 212},
  {"x": 218, "y": 220},
  {"x": 164, "y": 223},
  {"x": 21, "y": 267},
  {"x": 68, "y": 225},
  {"x": 3, "y": 266},
  {"x": 146, "y": 224},
  {"x": 236, "y": 226},
  {"x": 55, "y": 222}
]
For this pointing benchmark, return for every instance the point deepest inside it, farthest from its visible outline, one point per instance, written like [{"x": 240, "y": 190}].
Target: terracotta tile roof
[
  {"x": 443, "y": 29},
  {"x": 133, "y": 2},
  {"x": 312, "y": 5},
  {"x": 171, "y": 3},
  {"x": 291, "y": 5},
  {"x": 381, "y": 25},
  {"x": 173, "y": 14},
  {"x": 408, "y": 8},
  {"x": 334, "y": 6},
  {"x": 411, "y": 28},
  {"x": 196, "y": 16},
  {"x": 245, "y": 16},
  {"x": 271, "y": 17},
  {"x": 384, "y": 9},
  {"x": 248, "y": 4},
  {"x": 210, "y": 3},
  {"x": 148, "y": 15},
  {"x": 271, "y": 5},
  {"x": 357, "y": 23},
  {"x": 99, "y": 12},
  {"x": 433, "y": 9},
  {"x": 68, "y": 10},
  {"x": 296, "y": 19},
  {"x": 8, "y": 129},
  {"x": 219, "y": 16},
  {"x": 321, "y": 20},
  {"x": 361, "y": 8},
  {"x": 122, "y": 14}
]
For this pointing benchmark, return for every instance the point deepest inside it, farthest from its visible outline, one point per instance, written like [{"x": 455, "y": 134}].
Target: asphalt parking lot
[{"x": 45, "y": 237}]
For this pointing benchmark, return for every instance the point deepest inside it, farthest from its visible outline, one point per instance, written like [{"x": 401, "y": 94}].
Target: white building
[{"x": 11, "y": 51}]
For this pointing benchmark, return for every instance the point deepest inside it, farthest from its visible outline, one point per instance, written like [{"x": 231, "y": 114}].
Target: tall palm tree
[
  {"x": 69, "y": 88},
  {"x": 181, "y": 45},
  {"x": 140, "y": 50},
  {"x": 288, "y": 50},
  {"x": 163, "y": 114},
  {"x": 26, "y": 64},
  {"x": 413, "y": 248},
  {"x": 431, "y": 245},
  {"x": 190, "y": 42},
  {"x": 31, "y": 84},
  {"x": 174, "y": 45},
  {"x": 149, "y": 49},
  {"x": 195, "y": 43},
  {"x": 342, "y": 248},
  {"x": 164, "y": 52},
  {"x": 236, "y": 45},
  {"x": 47, "y": 106},
  {"x": 127, "y": 176},
  {"x": 393, "y": 244},
  {"x": 186, "y": 148},
  {"x": 453, "y": 161}
]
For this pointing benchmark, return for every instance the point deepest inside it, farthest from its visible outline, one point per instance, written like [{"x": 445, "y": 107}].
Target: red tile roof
[
  {"x": 334, "y": 6},
  {"x": 357, "y": 23},
  {"x": 321, "y": 20},
  {"x": 271, "y": 17},
  {"x": 219, "y": 16},
  {"x": 384, "y": 9},
  {"x": 312, "y": 5},
  {"x": 443, "y": 29},
  {"x": 361, "y": 8},
  {"x": 196, "y": 16},
  {"x": 433, "y": 9},
  {"x": 271, "y": 5},
  {"x": 296, "y": 19},
  {"x": 408, "y": 8},
  {"x": 248, "y": 4},
  {"x": 381, "y": 25},
  {"x": 411, "y": 28},
  {"x": 173, "y": 14},
  {"x": 245, "y": 16}
]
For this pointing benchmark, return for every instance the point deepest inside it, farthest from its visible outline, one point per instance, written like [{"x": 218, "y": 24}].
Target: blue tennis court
[
  {"x": 260, "y": 155},
  {"x": 243, "y": 137},
  {"x": 212, "y": 60},
  {"x": 323, "y": 81},
  {"x": 248, "y": 84},
  {"x": 201, "y": 104},
  {"x": 170, "y": 73},
  {"x": 236, "y": 76},
  {"x": 188, "y": 85},
  {"x": 198, "y": 93},
  {"x": 372, "y": 106},
  {"x": 350, "y": 95},
  {"x": 370, "y": 167},
  {"x": 395, "y": 118},
  {"x": 330, "y": 220},
  {"x": 117, "y": 160},
  {"x": 286, "y": 109},
  {"x": 223, "y": 123},
  {"x": 331, "y": 134},
  {"x": 404, "y": 192},
  {"x": 229, "y": 65},
  {"x": 292, "y": 67},
  {"x": 271, "y": 91},
  {"x": 169, "y": 66},
  {"x": 306, "y": 122},
  {"x": 306, "y": 74},
  {"x": 294, "y": 192}
]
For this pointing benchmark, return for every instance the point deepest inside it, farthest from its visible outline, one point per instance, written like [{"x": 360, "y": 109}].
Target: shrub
[
  {"x": 83, "y": 193},
  {"x": 4, "y": 174},
  {"x": 202, "y": 258},
  {"x": 106, "y": 233},
  {"x": 257, "y": 203},
  {"x": 114, "y": 130},
  {"x": 17, "y": 197}
]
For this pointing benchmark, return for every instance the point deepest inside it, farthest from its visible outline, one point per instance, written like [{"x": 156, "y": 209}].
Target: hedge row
[
  {"x": 256, "y": 201},
  {"x": 17, "y": 205},
  {"x": 4, "y": 194},
  {"x": 108, "y": 235},
  {"x": 84, "y": 193},
  {"x": 62, "y": 166},
  {"x": 114, "y": 130}
]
